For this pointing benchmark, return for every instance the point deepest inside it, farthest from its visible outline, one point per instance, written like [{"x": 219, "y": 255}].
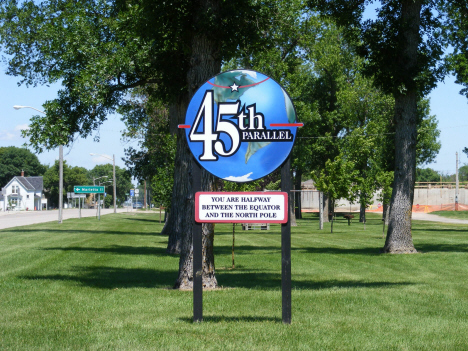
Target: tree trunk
[
  {"x": 326, "y": 208},
  {"x": 385, "y": 212},
  {"x": 399, "y": 239},
  {"x": 297, "y": 194},
  {"x": 185, "y": 278},
  {"x": 204, "y": 63},
  {"x": 362, "y": 212},
  {"x": 176, "y": 224}
]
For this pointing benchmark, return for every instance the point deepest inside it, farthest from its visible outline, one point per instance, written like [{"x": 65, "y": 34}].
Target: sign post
[
  {"x": 286, "y": 186},
  {"x": 197, "y": 252},
  {"x": 240, "y": 126},
  {"x": 89, "y": 189}
]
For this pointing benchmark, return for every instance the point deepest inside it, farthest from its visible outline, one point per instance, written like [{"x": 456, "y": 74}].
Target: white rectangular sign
[{"x": 241, "y": 207}]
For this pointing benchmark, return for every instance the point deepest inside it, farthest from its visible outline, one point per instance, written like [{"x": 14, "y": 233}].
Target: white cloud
[
  {"x": 244, "y": 178},
  {"x": 5, "y": 135},
  {"x": 99, "y": 159},
  {"x": 250, "y": 73},
  {"x": 21, "y": 127}
]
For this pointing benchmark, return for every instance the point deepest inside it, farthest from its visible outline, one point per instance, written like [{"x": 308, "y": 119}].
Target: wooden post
[
  {"x": 286, "y": 186},
  {"x": 197, "y": 249},
  {"x": 233, "y": 241}
]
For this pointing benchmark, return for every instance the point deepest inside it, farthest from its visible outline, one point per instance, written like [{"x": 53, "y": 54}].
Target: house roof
[{"x": 29, "y": 183}]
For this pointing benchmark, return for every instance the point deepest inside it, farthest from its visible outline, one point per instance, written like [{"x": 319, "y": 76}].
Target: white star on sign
[{"x": 234, "y": 87}]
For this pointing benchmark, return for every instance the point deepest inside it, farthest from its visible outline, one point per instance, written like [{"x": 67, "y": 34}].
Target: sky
[{"x": 12, "y": 121}]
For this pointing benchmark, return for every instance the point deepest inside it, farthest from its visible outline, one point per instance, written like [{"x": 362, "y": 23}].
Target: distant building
[
  {"x": 308, "y": 185},
  {"x": 23, "y": 193}
]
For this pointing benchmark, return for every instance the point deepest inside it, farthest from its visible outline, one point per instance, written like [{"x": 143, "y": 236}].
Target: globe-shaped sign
[{"x": 240, "y": 125}]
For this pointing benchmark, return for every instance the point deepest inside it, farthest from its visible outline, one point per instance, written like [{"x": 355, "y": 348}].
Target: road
[{"x": 11, "y": 219}]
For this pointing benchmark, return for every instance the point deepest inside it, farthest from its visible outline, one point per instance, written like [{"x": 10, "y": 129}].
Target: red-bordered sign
[{"x": 241, "y": 207}]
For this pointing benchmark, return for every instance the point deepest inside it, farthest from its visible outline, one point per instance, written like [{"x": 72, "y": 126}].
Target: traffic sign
[
  {"x": 76, "y": 196},
  {"x": 132, "y": 192},
  {"x": 88, "y": 189}
]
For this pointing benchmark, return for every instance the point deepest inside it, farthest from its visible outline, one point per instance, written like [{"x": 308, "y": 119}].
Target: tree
[
  {"x": 122, "y": 178},
  {"x": 308, "y": 57},
  {"x": 463, "y": 173},
  {"x": 13, "y": 160},
  {"x": 403, "y": 50},
  {"x": 71, "y": 176},
  {"x": 100, "y": 50},
  {"x": 427, "y": 175},
  {"x": 147, "y": 120}
]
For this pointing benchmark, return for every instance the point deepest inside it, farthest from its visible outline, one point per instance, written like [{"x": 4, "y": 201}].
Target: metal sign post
[
  {"x": 286, "y": 186},
  {"x": 89, "y": 189},
  {"x": 197, "y": 251}
]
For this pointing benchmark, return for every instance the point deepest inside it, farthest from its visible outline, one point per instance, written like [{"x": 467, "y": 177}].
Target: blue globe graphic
[{"x": 254, "y": 158}]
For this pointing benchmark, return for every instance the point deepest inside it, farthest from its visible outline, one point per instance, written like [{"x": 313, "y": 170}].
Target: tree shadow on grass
[
  {"x": 439, "y": 230},
  {"x": 368, "y": 251},
  {"x": 426, "y": 248},
  {"x": 245, "y": 249},
  {"x": 113, "y": 278},
  {"x": 145, "y": 220},
  {"x": 115, "y": 249},
  {"x": 248, "y": 319},
  {"x": 82, "y": 231},
  {"x": 123, "y": 278},
  {"x": 274, "y": 230},
  {"x": 272, "y": 281}
]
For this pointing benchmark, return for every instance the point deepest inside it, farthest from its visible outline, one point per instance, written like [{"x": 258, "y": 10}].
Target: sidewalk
[
  {"x": 419, "y": 216},
  {"x": 11, "y": 219}
]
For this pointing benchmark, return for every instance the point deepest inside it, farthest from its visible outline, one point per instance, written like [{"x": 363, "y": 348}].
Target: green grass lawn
[
  {"x": 89, "y": 285},
  {"x": 452, "y": 214}
]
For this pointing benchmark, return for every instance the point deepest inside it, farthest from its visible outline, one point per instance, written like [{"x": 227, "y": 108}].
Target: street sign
[
  {"x": 76, "y": 196},
  {"x": 88, "y": 189},
  {"x": 132, "y": 192}
]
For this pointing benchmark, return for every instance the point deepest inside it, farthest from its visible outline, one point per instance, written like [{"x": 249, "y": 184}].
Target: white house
[{"x": 23, "y": 193}]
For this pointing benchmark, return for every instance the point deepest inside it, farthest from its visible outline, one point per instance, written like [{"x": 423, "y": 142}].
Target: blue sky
[{"x": 12, "y": 121}]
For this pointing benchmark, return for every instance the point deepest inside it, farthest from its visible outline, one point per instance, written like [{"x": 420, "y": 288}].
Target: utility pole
[
  {"x": 60, "y": 183},
  {"x": 456, "y": 186},
  {"x": 144, "y": 200},
  {"x": 320, "y": 210}
]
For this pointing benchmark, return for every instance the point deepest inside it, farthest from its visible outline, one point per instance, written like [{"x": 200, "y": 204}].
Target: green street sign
[{"x": 88, "y": 189}]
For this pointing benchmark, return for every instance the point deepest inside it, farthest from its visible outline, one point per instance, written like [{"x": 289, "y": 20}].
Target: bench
[{"x": 253, "y": 226}]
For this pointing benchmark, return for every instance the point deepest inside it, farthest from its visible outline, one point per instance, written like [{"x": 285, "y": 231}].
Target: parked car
[{"x": 137, "y": 205}]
